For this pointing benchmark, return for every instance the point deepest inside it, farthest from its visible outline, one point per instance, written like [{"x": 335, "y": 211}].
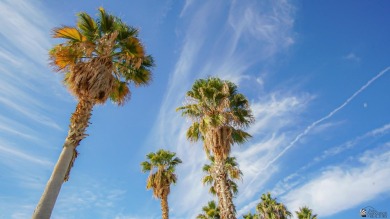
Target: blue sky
[{"x": 317, "y": 74}]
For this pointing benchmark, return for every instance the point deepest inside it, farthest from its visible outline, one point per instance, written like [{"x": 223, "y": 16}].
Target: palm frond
[
  {"x": 120, "y": 93},
  {"x": 69, "y": 33},
  {"x": 106, "y": 21},
  {"x": 87, "y": 26},
  {"x": 193, "y": 132}
]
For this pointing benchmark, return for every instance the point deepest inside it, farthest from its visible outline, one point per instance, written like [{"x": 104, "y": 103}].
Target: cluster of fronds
[{"x": 101, "y": 57}]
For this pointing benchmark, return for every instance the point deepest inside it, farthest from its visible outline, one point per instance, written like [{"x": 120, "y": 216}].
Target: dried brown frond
[{"x": 92, "y": 79}]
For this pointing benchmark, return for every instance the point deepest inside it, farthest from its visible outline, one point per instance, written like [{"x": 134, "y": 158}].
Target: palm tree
[
  {"x": 269, "y": 208},
  {"x": 219, "y": 113},
  {"x": 161, "y": 166},
  {"x": 100, "y": 58},
  {"x": 210, "y": 211},
  {"x": 251, "y": 216},
  {"x": 305, "y": 213},
  {"x": 233, "y": 173}
]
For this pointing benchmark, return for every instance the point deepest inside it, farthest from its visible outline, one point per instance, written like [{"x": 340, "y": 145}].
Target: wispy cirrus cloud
[
  {"x": 277, "y": 105},
  {"x": 298, "y": 177},
  {"x": 27, "y": 85},
  {"x": 89, "y": 196},
  {"x": 24, "y": 18},
  {"x": 274, "y": 115},
  {"x": 9, "y": 151},
  {"x": 17, "y": 129},
  {"x": 317, "y": 122},
  {"x": 352, "y": 57},
  {"x": 338, "y": 188}
]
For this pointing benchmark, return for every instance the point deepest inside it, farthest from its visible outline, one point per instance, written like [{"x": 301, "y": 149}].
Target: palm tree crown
[
  {"x": 218, "y": 112},
  {"x": 251, "y": 216},
  {"x": 100, "y": 58},
  {"x": 161, "y": 166},
  {"x": 210, "y": 211},
  {"x": 269, "y": 208},
  {"x": 305, "y": 213}
]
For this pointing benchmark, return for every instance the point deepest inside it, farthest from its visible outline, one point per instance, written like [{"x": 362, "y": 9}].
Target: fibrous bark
[
  {"x": 78, "y": 124},
  {"x": 164, "y": 207},
  {"x": 225, "y": 197}
]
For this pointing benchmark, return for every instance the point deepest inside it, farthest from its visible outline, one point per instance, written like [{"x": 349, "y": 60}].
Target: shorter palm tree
[
  {"x": 251, "y": 216},
  {"x": 269, "y": 208},
  {"x": 210, "y": 211},
  {"x": 219, "y": 114},
  {"x": 161, "y": 166},
  {"x": 305, "y": 213}
]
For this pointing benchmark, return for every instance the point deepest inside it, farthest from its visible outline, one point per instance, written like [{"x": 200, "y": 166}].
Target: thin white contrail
[{"x": 314, "y": 124}]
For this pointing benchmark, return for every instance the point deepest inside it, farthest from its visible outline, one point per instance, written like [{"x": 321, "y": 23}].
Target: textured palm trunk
[
  {"x": 164, "y": 207},
  {"x": 78, "y": 124},
  {"x": 225, "y": 197}
]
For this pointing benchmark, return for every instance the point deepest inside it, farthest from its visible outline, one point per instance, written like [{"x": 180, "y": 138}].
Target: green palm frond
[
  {"x": 87, "y": 26},
  {"x": 193, "y": 132},
  {"x": 146, "y": 166},
  {"x": 121, "y": 92},
  {"x": 240, "y": 136},
  {"x": 106, "y": 21},
  {"x": 209, "y": 211},
  {"x": 124, "y": 30}
]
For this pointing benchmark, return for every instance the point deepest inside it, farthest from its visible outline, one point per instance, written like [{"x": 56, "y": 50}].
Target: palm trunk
[
  {"x": 78, "y": 124},
  {"x": 164, "y": 207},
  {"x": 225, "y": 197}
]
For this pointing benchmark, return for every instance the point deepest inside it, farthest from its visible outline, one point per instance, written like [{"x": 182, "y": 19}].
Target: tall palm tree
[
  {"x": 161, "y": 166},
  {"x": 210, "y": 211},
  {"x": 100, "y": 58},
  {"x": 219, "y": 113},
  {"x": 305, "y": 213},
  {"x": 269, "y": 208},
  {"x": 233, "y": 173}
]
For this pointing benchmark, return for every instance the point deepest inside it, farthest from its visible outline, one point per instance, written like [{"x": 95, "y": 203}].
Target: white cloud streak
[
  {"x": 29, "y": 113},
  {"x": 314, "y": 124},
  {"x": 342, "y": 187},
  {"x": 7, "y": 151},
  {"x": 17, "y": 129},
  {"x": 19, "y": 16},
  {"x": 295, "y": 179}
]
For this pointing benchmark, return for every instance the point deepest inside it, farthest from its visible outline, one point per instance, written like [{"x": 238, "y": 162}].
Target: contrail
[{"x": 314, "y": 124}]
